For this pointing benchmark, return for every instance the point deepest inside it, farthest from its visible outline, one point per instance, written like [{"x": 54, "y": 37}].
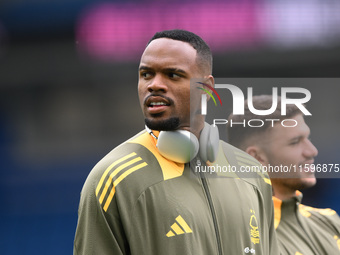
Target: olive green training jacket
[{"x": 137, "y": 202}]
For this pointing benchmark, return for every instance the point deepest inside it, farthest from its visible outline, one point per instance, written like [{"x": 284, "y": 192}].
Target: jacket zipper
[{"x": 212, "y": 210}]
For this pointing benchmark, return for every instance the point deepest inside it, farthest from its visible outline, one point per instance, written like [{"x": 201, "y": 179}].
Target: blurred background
[{"x": 68, "y": 91}]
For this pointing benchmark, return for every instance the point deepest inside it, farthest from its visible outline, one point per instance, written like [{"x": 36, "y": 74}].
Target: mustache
[{"x": 162, "y": 96}]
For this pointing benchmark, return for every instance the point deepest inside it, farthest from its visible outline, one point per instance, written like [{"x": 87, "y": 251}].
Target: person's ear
[
  {"x": 258, "y": 154},
  {"x": 209, "y": 80}
]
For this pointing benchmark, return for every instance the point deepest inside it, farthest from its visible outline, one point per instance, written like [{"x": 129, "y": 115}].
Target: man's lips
[
  {"x": 157, "y": 104},
  {"x": 307, "y": 166}
]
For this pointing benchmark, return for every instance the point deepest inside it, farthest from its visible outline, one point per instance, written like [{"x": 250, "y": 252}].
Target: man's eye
[
  {"x": 295, "y": 141},
  {"x": 146, "y": 74},
  {"x": 173, "y": 75}
]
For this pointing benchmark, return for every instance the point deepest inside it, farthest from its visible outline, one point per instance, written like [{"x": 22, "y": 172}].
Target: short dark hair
[
  {"x": 204, "y": 56},
  {"x": 238, "y": 135}
]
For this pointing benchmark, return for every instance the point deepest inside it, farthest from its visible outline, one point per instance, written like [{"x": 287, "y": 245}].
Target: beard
[
  {"x": 293, "y": 184},
  {"x": 301, "y": 183},
  {"x": 170, "y": 124}
]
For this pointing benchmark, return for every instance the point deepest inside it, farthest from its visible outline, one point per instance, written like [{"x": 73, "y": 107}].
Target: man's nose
[
  {"x": 310, "y": 151},
  {"x": 158, "y": 83}
]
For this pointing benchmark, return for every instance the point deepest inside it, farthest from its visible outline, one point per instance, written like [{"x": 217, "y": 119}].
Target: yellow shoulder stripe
[
  {"x": 114, "y": 173},
  {"x": 109, "y": 168},
  {"x": 305, "y": 211},
  {"x": 112, "y": 181},
  {"x": 118, "y": 180},
  {"x": 268, "y": 181},
  {"x": 170, "y": 169}
]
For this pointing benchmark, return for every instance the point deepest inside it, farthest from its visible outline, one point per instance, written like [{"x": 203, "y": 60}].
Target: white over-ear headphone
[{"x": 182, "y": 146}]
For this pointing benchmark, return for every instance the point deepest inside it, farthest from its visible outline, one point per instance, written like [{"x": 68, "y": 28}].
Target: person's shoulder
[
  {"x": 129, "y": 170},
  {"x": 324, "y": 217},
  {"x": 115, "y": 159},
  {"x": 308, "y": 211},
  {"x": 245, "y": 166},
  {"x": 242, "y": 158}
]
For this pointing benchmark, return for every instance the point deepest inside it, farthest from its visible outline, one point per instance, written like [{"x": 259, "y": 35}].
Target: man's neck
[{"x": 283, "y": 193}]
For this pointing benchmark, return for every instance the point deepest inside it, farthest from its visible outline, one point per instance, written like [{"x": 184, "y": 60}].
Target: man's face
[
  {"x": 165, "y": 70},
  {"x": 291, "y": 147}
]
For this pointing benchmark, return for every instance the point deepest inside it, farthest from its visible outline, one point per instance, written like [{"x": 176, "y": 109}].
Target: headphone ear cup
[
  {"x": 180, "y": 146},
  {"x": 209, "y": 142}
]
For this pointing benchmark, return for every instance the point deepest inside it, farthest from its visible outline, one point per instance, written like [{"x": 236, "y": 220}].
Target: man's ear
[
  {"x": 258, "y": 153},
  {"x": 211, "y": 82}
]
